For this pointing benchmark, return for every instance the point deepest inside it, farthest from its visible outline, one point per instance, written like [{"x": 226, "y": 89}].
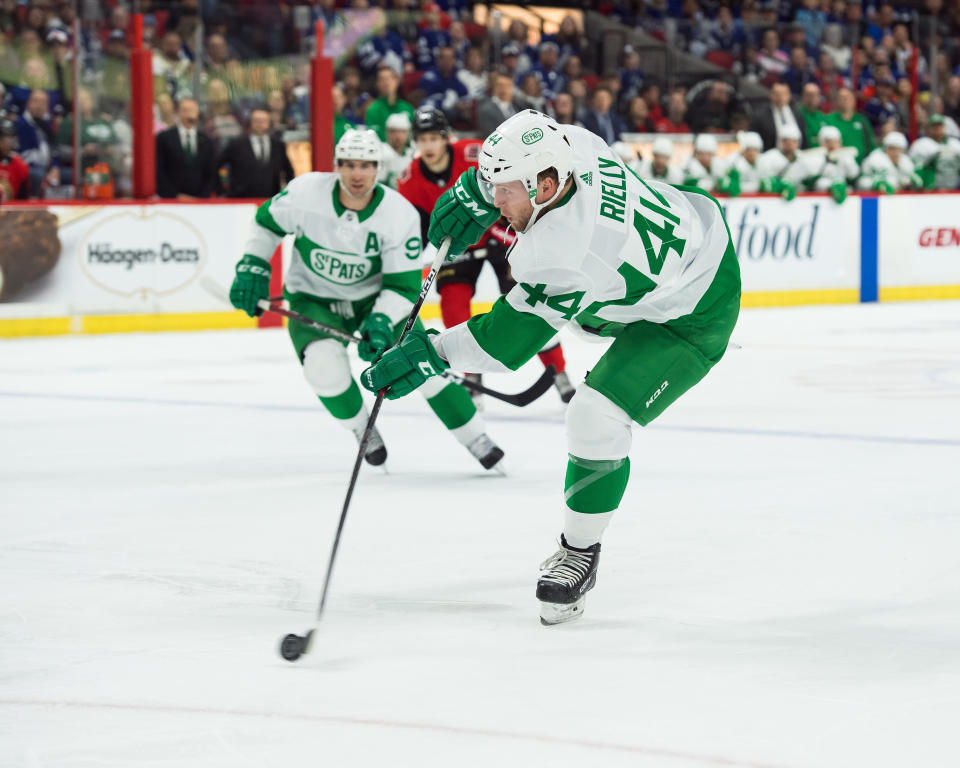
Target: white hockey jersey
[
  {"x": 644, "y": 169},
  {"x": 392, "y": 164},
  {"x": 616, "y": 249},
  {"x": 340, "y": 254},
  {"x": 695, "y": 175},
  {"x": 879, "y": 167},
  {"x": 941, "y": 160},
  {"x": 773, "y": 163},
  {"x": 827, "y": 168},
  {"x": 749, "y": 174}
]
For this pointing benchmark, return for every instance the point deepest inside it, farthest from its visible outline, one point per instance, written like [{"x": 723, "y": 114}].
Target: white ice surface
[{"x": 780, "y": 588}]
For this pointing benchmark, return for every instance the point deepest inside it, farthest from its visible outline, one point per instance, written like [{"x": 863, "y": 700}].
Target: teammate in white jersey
[
  {"x": 833, "y": 167},
  {"x": 783, "y": 170},
  {"x": 743, "y": 169},
  {"x": 397, "y": 150},
  {"x": 611, "y": 255},
  {"x": 355, "y": 267},
  {"x": 888, "y": 169},
  {"x": 703, "y": 168},
  {"x": 658, "y": 166}
]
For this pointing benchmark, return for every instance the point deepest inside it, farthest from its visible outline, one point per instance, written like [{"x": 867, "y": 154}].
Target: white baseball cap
[
  {"x": 663, "y": 146},
  {"x": 399, "y": 121},
  {"x": 828, "y": 133},
  {"x": 705, "y": 143},
  {"x": 749, "y": 140},
  {"x": 895, "y": 139},
  {"x": 790, "y": 132}
]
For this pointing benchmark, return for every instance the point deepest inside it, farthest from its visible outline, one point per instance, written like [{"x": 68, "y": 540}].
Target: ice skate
[
  {"x": 376, "y": 451},
  {"x": 562, "y": 382},
  {"x": 566, "y": 577},
  {"x": 487, "y": 452}
]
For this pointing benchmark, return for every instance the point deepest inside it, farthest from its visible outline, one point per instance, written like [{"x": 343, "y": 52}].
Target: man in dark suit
[
  {"x": 601, "y": 119},
  {"x": 186, "y": 161},
  {"x": 258, "y": 163},
  {"x": 501, "y": 105},
  {"x": 781, "y": 112}
]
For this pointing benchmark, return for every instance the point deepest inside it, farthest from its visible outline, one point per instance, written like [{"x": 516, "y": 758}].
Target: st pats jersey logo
[{"x": 340, "y": 267}]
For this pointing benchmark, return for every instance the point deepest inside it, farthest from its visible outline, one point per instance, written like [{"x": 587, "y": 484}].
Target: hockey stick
[
  {"x": 520, "y": 399},
  {"x": 292, "y": 647}
]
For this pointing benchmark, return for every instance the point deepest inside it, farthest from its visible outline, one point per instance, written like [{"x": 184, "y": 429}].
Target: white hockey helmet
[
  {"x": 399, "y": 121},
  {"x": 749, "y": 140},
  {"x": 358, "y": 144},
  {"x": 828, "y": 133},
  {"x": 790, "y": 132},
  {"x": 522, "y": 147},
  {"x": 624, "y": 151},
  {"x": 895, "y": 139},
  {"x": 662, "y": 147},
  {"x": 705, "y": 143}
]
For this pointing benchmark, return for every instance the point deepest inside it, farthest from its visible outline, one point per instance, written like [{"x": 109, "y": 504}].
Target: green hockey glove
[
  {"x": 462, "y": 213},
  {"x": 788, "y": 190},
  {"x": 251, "y": 284},
  {"x": 730, "y": 184},
  {"x": 883, "y": 186},
  {"x": 915, "y": 181},
  {"x": 377, "y": 333},
  {"x": 838, "y": 190},
  {"x": 404, "y": 367}
]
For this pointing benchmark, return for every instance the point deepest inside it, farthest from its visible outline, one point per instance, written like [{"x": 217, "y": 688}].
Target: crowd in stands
[{"x": 231, "y": 79}]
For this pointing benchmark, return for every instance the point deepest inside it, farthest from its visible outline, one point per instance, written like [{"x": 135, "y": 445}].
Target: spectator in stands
[
  {"x": 834, "y": 46},
  {"x": 631, "y": 75},
  {"x": 186, "y": 161},
  {"x": 829, "y": 80},
  {"x": 385, "y": 48},
  {"x": 14, "y": 171},
  {"x": 881, "y": 107},
  {"x": 675, "y": 121},
  {"x": 171, "y": 65},
  {"x": 712, "y": 106},
  {"x": 796, "y": 37},
  {"x": 813, "y": 117},
  {"x": 564, "y": 110},
  {"x": 36, "y": 141},
  {"x": 510, "y": 60},
  {"x": 799, "y": 73},
  {"x": 854, "y": 128},
  {"x": 340, "y": 121},
  {"x": 258, "y": 164},
  {"x": 773, "y": 62},
  {"x": 443, "y": 89},
  {"x": 97, "y": 139},
  {"x": 217, "y": 55},
  {"x": 724, "y": 34},
  {"x": 296, "y": 99},
  {"x": 601, "y": 119},
  {"x": 579, "y": 93},
  {"x": 651, "y": 94},
  {"x": 356, "y": 99},
  {"x": 459, "y": 42},
  {"x": 572, "y": 69},
  {"x": 388, "y": 103},
  {"x": 432, "y": 38},
  {"x": 222, "y": 124},
  {"x": 568, "y": 39},
  {"x": 780, "y": 114},
  {"x": 951, "y": 98},
  {"x": 638, "y": 116},
  {"x": 813, "y": 20},
  {"x": 474, "y": 75},
  {"x": 531, "y": 91},
  {"x": 501, "y": 105},
  {"x": 518, "y": 36},
  {"x": 397, "y": 149},
  {"x": 546, "y": 71}
]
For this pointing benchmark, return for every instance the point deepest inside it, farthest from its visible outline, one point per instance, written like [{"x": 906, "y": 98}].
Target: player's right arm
[{"x": 274, "y": 218}]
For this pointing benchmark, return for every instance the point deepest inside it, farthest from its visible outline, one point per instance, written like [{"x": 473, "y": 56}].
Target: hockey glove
[
  {"x": 377, "y": 333},
  {"x": 914, "y": 180},
  {"x": 838, "y": 190},
  {"x": 731, "y": 184},
  {"x": 404, "y": 367},
  {"x": 251, "y": 284},
  {"x": 462, "y": 213},
  {"x": 883, "y": 186}
]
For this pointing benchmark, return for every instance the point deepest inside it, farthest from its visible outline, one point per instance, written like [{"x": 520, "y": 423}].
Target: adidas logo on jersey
[{"x": 587, "y": 178}]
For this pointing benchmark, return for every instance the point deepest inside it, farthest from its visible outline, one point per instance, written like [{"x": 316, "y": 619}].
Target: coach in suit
[
  {"x": 501, "y": 105},
  {"x": 186, "y": 160},
  {"x": 779, "y": 114},
  {"x": 601, "y": 119},
  {"x": 258, "y": 163}
]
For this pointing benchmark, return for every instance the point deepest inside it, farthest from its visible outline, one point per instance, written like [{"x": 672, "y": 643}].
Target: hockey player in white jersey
[
  {"x": 659, "y": 166},
  {"x": 613, "y": 256},
  {"x": 743, "y": 169},
  {"x": 703, "y": 168},
  {"x": 784, "y": 170},
  {"x": 936, "y": 156},
  {"x": 888, "y": 168},
  {"x": 833, "y": 167},
  {"x": 397, "y": 150},
  {"x": 355, "y": 267}
]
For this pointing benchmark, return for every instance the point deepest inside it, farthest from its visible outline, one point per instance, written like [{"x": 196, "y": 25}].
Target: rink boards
[{"x": 141, "y": 267}]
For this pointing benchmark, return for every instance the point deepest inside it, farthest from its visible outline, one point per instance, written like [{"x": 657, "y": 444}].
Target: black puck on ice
[{"x": 292, "y": 647}]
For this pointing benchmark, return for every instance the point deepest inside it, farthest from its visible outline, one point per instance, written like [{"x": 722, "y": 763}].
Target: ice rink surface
[{"x": 780, "y": 588}]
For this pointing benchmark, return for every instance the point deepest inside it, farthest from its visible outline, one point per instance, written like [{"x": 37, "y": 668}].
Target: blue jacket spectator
[
  {"x": 432, "y": 38},
  {"x": 881, "y": 107},
  {"x": 799, "y": 73},
  {"x": 726, "y": 34},
  {"x": 37, "y": 145},
  {"x": 443, "y": 89},
  {"x": 386, "y": 47},
  {"x": 601, "y": 119},
  {"x": 631, "y": 76},
  {"x": 547, "y": 72}
]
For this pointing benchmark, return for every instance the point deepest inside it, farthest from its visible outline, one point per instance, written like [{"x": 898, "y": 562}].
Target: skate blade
[
  {"x": 500, "y": 468},
  {"x": 557, "y": 613}
]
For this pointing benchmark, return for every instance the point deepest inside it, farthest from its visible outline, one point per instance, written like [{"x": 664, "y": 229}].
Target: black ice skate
[
  {"x": 566, "y": 577},
  {"x": 487, "y": 452},
  {"x": 376, "y": 452},
  {"x": 562, "y": 382}
]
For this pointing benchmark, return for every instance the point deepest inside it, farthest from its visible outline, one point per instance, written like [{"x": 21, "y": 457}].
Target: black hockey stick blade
[{"x": 520, "y": 399}]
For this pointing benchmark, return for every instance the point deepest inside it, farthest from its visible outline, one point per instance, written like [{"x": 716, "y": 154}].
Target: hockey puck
[{"x": 292, "y": 647}]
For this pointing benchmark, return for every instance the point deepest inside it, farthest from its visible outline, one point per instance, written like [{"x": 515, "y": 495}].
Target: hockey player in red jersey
[{"x": 436, "y": 169}]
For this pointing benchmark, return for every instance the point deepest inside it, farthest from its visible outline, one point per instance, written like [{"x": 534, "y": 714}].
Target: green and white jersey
[
  {"x": 615, "y": 250},
  {"x": 774, "y": 164},
  {"x": 749, "y": 174},
  {"x": 827, "y": 168},
  {"x": 392, "y": 164},
  {"x": 695, "y": 175},
  {"x": 937, "y": 162},
  {"x": 340, "y": 254},
  {"x": 878, "y": 167},
  {"x": 644, "y": 169}
]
